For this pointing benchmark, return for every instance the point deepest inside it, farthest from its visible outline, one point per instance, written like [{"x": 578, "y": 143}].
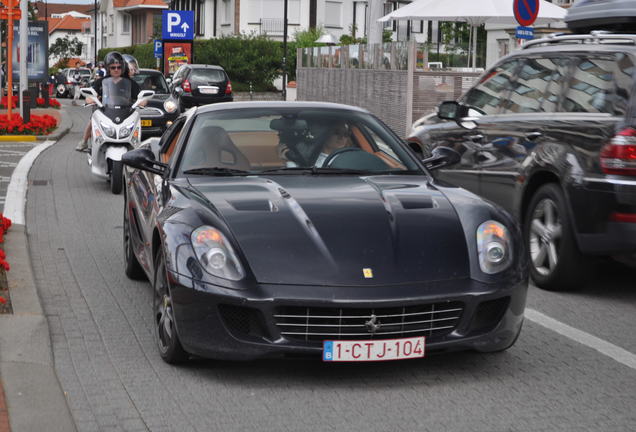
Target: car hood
[{"x": 341, "y": 230}]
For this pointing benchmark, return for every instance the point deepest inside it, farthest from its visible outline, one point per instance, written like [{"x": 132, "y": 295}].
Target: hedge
[{"x": 246, "y": 58}]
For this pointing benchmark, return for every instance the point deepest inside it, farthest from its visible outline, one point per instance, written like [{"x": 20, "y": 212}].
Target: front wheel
[
  {"x": 556, "y": 264},
  {"x": 170, "y": 348},
  {"x": 116, "y": 177},
  {"x": 132, "y": 267}
]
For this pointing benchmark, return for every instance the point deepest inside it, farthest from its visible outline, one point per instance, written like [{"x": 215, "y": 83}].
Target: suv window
[
  {"x": 624, "y": 79},
  {"x": 537, "y": 87},
  {"x": 591, "y": 88},
  {"x": 207, "y": 75},
  {"x": 491, "y": 90}
]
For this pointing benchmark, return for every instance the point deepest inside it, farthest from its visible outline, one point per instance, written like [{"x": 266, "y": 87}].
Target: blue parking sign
[
  {"x": 177, "y": 25},
  {"x": 158, "y": 48}
]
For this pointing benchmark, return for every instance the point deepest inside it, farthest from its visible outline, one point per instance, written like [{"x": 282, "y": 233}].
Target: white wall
[{"x": 85, "y": 38}]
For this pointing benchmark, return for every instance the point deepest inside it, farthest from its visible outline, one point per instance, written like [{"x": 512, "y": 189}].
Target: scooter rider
[{"x": 117, "y": 71}]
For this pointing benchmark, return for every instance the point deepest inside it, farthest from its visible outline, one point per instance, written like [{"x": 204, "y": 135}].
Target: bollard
[{"x": 26, "y": 111}]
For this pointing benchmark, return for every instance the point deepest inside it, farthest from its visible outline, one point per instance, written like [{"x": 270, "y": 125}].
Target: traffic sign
[
  {"x": 177, "y": 25},
  {"x": 524, "y": 32},
  {"x": 158, "y": 48},
  {"x": 526, "y": 11}
]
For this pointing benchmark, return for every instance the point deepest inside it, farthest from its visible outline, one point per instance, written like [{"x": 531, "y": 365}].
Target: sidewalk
[{"x": 31, "y": 398}]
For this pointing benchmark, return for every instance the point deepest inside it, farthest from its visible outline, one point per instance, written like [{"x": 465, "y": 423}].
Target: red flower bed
[
  {"x": 39, "y": 125},
  {"x": 39, "y": 102}
]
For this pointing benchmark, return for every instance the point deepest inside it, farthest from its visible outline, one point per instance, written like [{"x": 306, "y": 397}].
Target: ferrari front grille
[{"x": 433, "y": 320}]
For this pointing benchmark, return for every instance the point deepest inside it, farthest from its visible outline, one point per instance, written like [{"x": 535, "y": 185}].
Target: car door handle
[
  {"x": 533, "y": 136},
  {"x": 476, "y": 138}
]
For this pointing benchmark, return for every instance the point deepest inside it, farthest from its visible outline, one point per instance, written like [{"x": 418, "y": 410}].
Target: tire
[
  {"x": 556, "y": 264},
  {"x": 132, "y": 268},
  {"x": 170, "y": 348},
  {"x": 116, "y": 177}
]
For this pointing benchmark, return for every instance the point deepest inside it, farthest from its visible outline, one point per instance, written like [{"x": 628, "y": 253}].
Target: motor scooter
[{"x": 116, "y": 129}]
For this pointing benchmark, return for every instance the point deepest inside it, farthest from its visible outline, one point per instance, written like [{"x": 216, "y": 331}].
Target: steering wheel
[{"x": 329, "y": 160}]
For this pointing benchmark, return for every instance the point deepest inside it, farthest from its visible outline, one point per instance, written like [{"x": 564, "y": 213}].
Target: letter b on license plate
[{"x": 373, "y": 350}]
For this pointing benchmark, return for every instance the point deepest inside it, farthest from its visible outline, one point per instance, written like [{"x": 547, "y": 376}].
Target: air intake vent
[{"x": 311, "y": 324}]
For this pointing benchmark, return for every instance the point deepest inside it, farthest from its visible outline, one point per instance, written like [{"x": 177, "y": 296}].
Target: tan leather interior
[
  {"x": 211, "y": 146},
  {"x": 364, "y": 144},
  {"x": 165, "y": 157},
  {"x": 260, "y": 147}
]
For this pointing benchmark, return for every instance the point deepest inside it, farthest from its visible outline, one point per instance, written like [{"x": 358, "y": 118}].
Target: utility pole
[
  {"x": 23, "y": 48},
  {"x": 285, "y": 51},
  {"x": 95, "y": 39}
]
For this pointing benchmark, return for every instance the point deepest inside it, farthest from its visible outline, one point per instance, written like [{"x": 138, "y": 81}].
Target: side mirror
[
  {"x": 442, "y": 157},
  {"x": 449, "y": 110},
  {"x": 169, "y": 80},
  {"x": 91, "y": 93},
  {"x": 178, "y": 91},
  {"x": 144, "y": 159},
  {"x": 143, "y": 95}
]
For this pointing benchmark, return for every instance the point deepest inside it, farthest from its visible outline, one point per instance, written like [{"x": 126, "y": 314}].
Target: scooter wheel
[{"x": 116, "y": 177}]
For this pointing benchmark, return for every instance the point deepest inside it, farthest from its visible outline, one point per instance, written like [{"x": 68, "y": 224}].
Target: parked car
[
  {"x": 310, "y": 229},
  {"x": 196, "y": 84},
  {"x": 68, "y": 86},
  {"x": 549, "y": 133},
  {"x": 162, "y": 109}
]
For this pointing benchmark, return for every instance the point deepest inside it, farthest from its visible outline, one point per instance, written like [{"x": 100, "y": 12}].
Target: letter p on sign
[{"x": 173, "y": 20}]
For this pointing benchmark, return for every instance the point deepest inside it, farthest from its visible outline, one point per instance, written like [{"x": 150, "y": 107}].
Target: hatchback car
[
  {"x": 549, "y": 133},
  {"x": 70, "y": 84},
  {"x": 195, "y": 85},
  {"x": 162, "y": 109},
  {"x": 310, "y": 229}
]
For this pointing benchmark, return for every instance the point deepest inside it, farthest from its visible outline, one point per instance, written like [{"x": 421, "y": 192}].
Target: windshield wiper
[{"x": 218, "y": 171}]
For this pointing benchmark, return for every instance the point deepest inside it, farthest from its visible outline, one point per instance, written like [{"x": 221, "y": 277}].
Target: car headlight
[
  {"x": 170, "y": 106},
  {"x": 125, "y": 131},
  {"x": 215, "y": 253},
  {"x": 108, "y": 130},
  {"x": 494, "y": 247}
]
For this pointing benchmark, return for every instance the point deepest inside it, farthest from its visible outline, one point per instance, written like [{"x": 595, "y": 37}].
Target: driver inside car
[{"x": 340, "y": 138}]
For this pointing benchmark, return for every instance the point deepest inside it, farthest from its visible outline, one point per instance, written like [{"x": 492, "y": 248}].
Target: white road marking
[
  {"x": 16, "y": 192},
  {"x": 614, "y": 352}
]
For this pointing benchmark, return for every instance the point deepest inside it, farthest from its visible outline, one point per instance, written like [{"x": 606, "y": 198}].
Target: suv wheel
[{"x": 555, "y": 261}]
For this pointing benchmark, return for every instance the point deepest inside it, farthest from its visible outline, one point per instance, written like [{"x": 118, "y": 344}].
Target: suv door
[
  {"x": 529, "y": 105},
  {"x": 484, "y": 101}
]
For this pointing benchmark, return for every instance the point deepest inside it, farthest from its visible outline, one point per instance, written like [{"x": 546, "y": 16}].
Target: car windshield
[
  {"x": 291, "y": 141},
  {"x": 151, "y": 81},
  {"x": 207, "y": 76}
]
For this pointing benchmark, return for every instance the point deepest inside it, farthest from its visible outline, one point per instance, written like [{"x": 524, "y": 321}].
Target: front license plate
[
  {"x": 373, "y": 350},
  {"x": 146, "y": 123}
]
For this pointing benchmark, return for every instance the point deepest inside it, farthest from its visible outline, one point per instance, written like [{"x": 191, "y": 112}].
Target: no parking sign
[{"x": 526, "y": 11}]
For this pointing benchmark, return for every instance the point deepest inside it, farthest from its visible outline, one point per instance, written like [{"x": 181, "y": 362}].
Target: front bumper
[{"x": 229, "y": 324}]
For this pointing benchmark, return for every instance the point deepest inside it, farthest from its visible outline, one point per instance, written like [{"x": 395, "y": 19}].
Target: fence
[{"x": 394, "y": 81}]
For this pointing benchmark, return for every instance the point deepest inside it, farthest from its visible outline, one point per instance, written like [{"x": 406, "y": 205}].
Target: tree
[{"x": 65, "y": 48}]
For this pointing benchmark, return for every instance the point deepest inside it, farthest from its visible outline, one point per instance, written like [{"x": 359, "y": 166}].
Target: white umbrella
[{"x": 474, "y": 12}]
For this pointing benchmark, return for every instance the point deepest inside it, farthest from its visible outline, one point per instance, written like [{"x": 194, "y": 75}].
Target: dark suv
[
  {"x": 194, "y": 85},
  {"x": 549, "y": 133}
]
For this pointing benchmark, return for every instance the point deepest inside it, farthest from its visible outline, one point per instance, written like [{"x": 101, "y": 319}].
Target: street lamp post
[
  {"x": 95, "y": 38},
  {"x": 285, "y": 51}
]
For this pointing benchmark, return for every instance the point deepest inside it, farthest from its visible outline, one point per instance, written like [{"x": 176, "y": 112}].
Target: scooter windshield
[{"x": 116, "y": 98}]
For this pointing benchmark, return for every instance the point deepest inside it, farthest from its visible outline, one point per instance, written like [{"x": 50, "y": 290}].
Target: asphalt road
[{"x": 108, "y": 365}]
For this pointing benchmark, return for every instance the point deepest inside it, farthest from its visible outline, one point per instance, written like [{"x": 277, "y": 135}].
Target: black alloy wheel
[
  {"x": 116, "y": 177},
  {"x": 170, "y": 348},
  {"x": 132, "y": 267},
  {"x": 556, "y": 264}
]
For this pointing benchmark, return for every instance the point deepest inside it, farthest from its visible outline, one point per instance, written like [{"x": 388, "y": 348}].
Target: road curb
[{"x": 34, "y": 397}]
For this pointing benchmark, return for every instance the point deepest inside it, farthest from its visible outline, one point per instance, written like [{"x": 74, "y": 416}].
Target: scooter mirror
[{"x": 143, "y": 95}]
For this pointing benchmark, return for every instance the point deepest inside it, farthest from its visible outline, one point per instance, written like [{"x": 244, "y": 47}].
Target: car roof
[
  {"x": 150, "y": 71},
  {"x": 276, "y": 105},
  {"x": 205, "y": 66}
]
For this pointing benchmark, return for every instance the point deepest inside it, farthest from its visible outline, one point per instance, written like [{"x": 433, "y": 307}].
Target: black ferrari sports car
[{"x": 280, "y": 228}]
